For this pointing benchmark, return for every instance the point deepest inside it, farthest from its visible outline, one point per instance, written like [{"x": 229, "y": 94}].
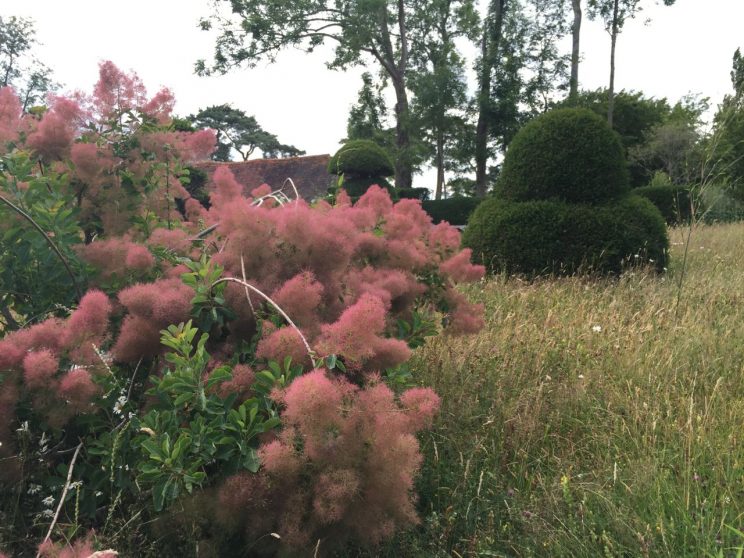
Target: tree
[
  {"x": 728, "y": 137},
  {"x": 546, "y": 68},
  {"x": 490, "y": 45},
  {"x": 367, "y": 117},
  {"x": 438, "y": 80},
  {"x": 18, "y": 68},
  {"x": 238, "y": 132},
  {"x": 635, "y": 116},
  {"x": 575, "y": 50},
  {"x": 258, "y": 29},
  {"x": 615, "y": 13}
]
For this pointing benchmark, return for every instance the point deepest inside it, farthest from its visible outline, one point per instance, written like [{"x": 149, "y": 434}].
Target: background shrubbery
[
  {"x": 455, "y": 211},
  {"x": 551, "y": 217},
  {"x": 551, "y": 237}
]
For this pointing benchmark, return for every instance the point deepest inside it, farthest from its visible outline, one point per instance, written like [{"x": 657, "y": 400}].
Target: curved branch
[
  {"x": 274, "y": 304},
  {"x": 51, "y": 243}
]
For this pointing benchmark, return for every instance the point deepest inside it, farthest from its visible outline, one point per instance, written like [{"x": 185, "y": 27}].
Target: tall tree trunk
[
  {"x": 575, "y": 51},
  {"x": 489, "y": 55},
  {"x": 611, "y": 90},
  {"x": 403, "y": 172},
  {"x": 440, "y": 164}
]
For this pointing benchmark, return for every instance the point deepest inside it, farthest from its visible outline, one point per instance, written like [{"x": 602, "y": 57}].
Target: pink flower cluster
[
  {"x": 86, "y": 133},
  {"x": 342, "y": 466},
  {"x": 344, "y": 273},
  {"x": 30, "y": 362}
]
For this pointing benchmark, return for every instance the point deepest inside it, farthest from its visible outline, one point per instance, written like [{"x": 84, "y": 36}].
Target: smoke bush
[
  {"x": 342, "y": 467},
  {"x": 339, "y": 454}
]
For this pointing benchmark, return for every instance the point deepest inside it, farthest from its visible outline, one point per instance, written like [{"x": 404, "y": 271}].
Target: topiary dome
[
  {"x": 570, "y": 155},
  {"x": 361, "y": 158}
]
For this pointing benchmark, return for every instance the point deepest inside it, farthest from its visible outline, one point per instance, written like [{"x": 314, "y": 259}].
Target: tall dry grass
[{"x": 592, "y": 417}]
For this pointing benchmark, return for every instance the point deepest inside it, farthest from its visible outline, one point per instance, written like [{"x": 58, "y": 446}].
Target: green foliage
[
  {"x": 236, "y": 131},
  {"x": 413, "y": 193},
  {"x": 190, "y": 430},
  {"x": 718, "y": 205},
  {"x": 366, "y": 118},
  {"x": 568, "y": 154},
  {"x": 673, "y": 202},
  {"x": 728, "y": 137},
  {"x": 34, "y": 281},
  {"x": 356, "y": 187},
  {"x": 554, "y": 237},
  {"x": 361, "y": 158},
  {"x": 31, "y": 79},
  {"x": 455, "y": 211}
]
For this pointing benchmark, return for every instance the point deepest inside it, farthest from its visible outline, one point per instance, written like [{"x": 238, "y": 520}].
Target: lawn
[{"x": 592, "y": 417}]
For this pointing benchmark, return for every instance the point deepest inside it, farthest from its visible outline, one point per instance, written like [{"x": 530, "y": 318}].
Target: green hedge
[
  {"x": 672, "y": 201},
  {"x": 356, "y": 187},
  {"x": 413, "y": 193},
  {"x": 570, "y": 155},
  {"x": 553, "y": 237},
  {"x": 455, "y": 211},
  {"x": 361, "y": 158}
]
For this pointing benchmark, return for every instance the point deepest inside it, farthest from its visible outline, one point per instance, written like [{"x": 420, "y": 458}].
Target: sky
[{"x": 665, "y": 52}]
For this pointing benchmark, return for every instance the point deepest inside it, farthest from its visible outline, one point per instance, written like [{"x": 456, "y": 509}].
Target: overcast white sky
[{"x": 685, "y": 48}]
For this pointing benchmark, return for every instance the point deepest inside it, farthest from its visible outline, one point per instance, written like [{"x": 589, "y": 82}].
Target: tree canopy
[{"x": 240, "y": 133}]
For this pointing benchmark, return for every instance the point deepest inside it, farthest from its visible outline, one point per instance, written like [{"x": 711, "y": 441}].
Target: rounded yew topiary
[
  {"x": 570, "y": 155},
  {"x": 554, "y": 237},
  {"x": 361, "y": 158}
]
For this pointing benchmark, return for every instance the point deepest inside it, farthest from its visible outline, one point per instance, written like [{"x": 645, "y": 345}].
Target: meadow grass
[{"x": 592, "y": 417}]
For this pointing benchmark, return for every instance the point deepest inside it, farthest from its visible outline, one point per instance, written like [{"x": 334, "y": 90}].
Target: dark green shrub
[
  {"x": 554, "y": 237},
  {"x": 455, "y": 211},
  {"x": 570, "y": 155},
  {"x": 357, "y": 186},
  {"x": 413, "y": 193},
  {"x": 672, "y": 201},
  {"x": 359, "y": 158}
]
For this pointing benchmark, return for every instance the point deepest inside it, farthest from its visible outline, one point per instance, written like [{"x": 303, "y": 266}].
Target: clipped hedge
[
  {"x": 673, "y": 202},
  {"x": 554, "y": 237},
  {"x": 455, "y": 211},
  {"x": 356, "y": 187},
  {"x": 570, "y": 155},
  {"x": 413, "y": 193},
  {"x": 361, "y": 158}
]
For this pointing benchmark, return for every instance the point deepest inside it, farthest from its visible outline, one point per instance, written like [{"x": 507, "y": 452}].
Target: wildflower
[
  {"x": 597, "y": 328},
  {"x": 33, "y": 489},
  {"x": 48, "y": 501},
  {"x": 47, "y": 513},
  {"x": 119, "y": 405},
  {"x": 75, "y": 485}
]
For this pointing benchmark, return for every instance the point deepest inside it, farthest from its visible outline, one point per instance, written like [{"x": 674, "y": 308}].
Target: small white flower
[
  {"x": 33, "y": 489},
  {"x": 119, "y": 405},
  {"x": 48, "y": 501},
  {"x": 99, "y": 493},
  {"x": 47, "y": 513},
  {"x": 597, "y": 328},
  {"x": 581, "y": 376},
  {"x": 75, "y": 485}
]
